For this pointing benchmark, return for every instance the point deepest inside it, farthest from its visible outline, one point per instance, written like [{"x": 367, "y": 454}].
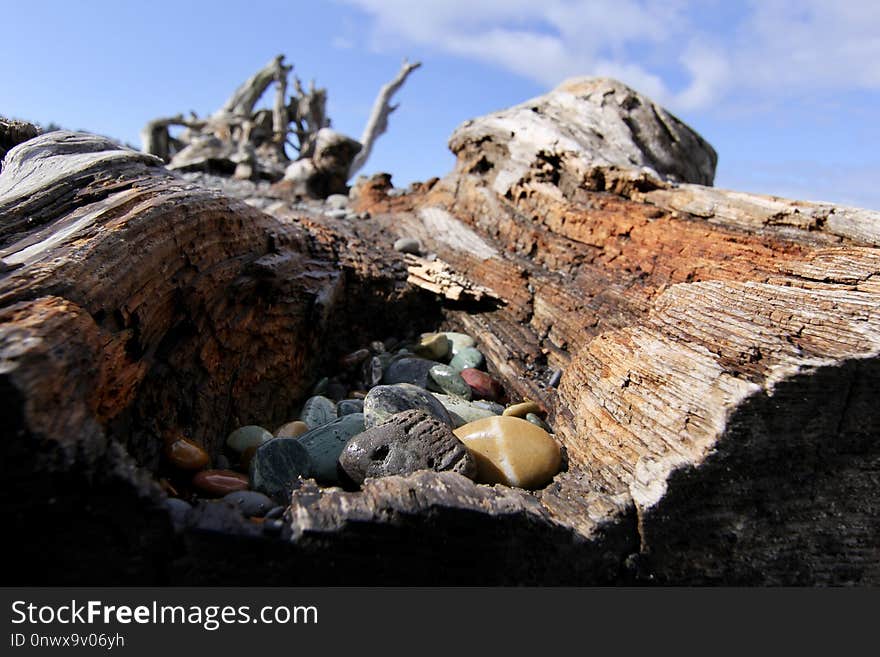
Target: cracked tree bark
[{"x": 720, "y": 357}]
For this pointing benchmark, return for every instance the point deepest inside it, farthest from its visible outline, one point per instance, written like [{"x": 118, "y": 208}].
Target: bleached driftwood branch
[
  {"x": 243, "y": 99},
  {"x": 378, "y": 122}
]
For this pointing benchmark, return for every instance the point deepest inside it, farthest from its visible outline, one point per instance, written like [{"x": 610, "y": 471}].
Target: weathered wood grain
[{"x": 719, "y": 355}]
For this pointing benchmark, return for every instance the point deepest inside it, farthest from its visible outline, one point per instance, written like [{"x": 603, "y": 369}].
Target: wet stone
[
  {"x": 408, "y": 442},
  {"x": 317, "y": 411},
  {"x": 462, "y": 411},
  {"x": 185, "y": 455},
  {"x": 247, "y": 436},
  {"x": 349, "y": 406},
  {"x": 482, "y": 385},
  {"x": 408, "y": 370},
  {"x": 384, "y": 401},
  {"x": 521, "y": 409},
  {"x": 222, "y": 463},
  {"x": 292, "y": 429},
  {"x": 511, "y": 451},
  {"x": 447, "y": 380},
  {"x": 217, "y": 483},
  {"x": 251, "y": 503},
  {"x": 467, "y": 358},
  {"x": 434, "y": 346},
  {"x": 276, "y": 465},
  {"x": 325, "y": 444},
  {"x": 555, "y": 378}
]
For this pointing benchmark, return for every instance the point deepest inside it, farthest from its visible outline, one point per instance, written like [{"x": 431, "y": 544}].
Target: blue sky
[{"x": 786, "y": 91}]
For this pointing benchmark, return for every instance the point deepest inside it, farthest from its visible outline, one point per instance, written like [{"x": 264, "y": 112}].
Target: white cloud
[{"x": 771, "y": 48}]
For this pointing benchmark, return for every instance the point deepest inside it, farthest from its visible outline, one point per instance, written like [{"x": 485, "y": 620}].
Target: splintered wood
[{"x": 438, "y": 277}]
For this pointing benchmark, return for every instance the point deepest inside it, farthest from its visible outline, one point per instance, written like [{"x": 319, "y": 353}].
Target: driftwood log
[
  {"x": 719, "y": 353},
  {"x": 250, "y": 144}
]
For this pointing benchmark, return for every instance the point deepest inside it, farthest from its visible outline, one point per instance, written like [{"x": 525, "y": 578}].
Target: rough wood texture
[
  {"x": 716, "y": 408},
  {"x": 14, "y": 132}
]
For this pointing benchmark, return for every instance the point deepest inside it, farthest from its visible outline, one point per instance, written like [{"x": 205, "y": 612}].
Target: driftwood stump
[{"x": 719, "y": 354}]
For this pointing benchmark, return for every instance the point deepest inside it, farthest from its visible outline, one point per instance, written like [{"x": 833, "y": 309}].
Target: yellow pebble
[
  {"x": 521, "y": 409},
  {"x": 511, "y": 451},
  {"x": 292, "y": 429}
]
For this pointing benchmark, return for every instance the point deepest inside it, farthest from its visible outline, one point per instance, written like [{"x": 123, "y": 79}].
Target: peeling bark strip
[{"x": 719, "y": 357}]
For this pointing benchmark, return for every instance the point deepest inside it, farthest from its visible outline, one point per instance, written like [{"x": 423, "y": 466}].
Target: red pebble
[
  {"x": 217, "y": 483},
  {"x": 482, "y": 385}
]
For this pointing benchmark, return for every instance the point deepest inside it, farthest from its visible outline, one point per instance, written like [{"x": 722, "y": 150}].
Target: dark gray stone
[
  {"x": 349, "y": 406},
  {"x": 178, "y": 509},
  {"x": 251, "y": 503},
  {"x": 318, "y": 410},
  {"x": 276, "y": 465},
  {"x": 325, "y": 443},
  {"x": 336, "y": 391},
  {"x": 275, "y": 512},
  {"x": 409, "y": 370},
  {"x": 321, "y": 386},
  {"x": 374, "y": 368},
  {"x": 384, "y": 401},
  {"x": 273, "y": 527},
  {"x": 408, "y": 442}
]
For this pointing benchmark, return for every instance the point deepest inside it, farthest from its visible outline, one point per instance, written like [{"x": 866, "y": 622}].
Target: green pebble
[
  {"x": 459, "y": 341},
  {"x": 467, "y": 357},
  {"x": 462, "y": 411},
  {"x": 449, "y": 381},
  {"x": 247, "y": 436},
  {"x": 538, "y": 422},
  {"x": 326, "y": 443}
]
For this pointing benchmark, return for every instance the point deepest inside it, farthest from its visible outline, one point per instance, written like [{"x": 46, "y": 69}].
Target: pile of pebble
[{"x": 426, "y": 406}]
